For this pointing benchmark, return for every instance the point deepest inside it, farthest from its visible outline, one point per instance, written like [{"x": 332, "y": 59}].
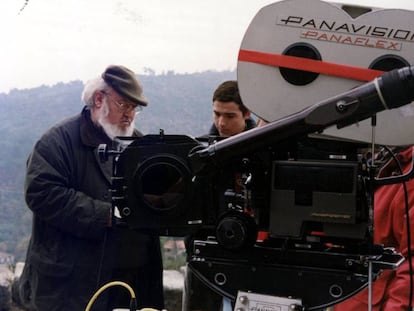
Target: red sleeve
[{"x": 396, "y": 296}]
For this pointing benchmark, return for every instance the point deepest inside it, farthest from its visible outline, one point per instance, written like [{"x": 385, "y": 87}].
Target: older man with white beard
[{"x": 76, "y": 247}]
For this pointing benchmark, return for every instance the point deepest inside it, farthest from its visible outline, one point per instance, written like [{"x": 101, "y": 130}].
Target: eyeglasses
[{"x": 124, "y": 107}]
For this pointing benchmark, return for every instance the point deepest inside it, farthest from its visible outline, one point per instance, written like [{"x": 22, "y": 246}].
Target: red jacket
[{"x": 391, "y": 289}]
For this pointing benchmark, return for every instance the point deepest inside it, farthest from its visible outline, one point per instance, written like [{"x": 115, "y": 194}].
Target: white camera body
[{"x": 296, "y": 53}]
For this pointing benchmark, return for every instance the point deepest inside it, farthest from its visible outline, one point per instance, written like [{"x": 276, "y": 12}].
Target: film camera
[{"x": 282, "y": 210}]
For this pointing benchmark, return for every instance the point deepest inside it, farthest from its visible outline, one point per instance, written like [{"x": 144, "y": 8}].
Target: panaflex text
[
  {"x": 351, "y": 39},
  {"x": 374, "y": 31}
]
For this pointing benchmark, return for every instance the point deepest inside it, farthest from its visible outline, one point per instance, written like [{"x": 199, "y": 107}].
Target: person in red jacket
[{"x": 391, "y": 290}]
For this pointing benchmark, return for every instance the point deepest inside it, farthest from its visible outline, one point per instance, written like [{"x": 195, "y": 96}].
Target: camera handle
[{"x": 398, "y": 178}]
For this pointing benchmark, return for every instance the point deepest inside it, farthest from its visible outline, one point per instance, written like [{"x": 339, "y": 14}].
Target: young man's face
[{"x": 228, "y": 118}]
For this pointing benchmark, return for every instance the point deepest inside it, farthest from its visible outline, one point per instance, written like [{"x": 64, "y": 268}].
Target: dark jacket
[{"x": 73, "y": 251}]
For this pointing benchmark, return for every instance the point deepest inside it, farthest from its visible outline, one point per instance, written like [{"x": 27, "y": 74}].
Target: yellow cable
[{"x": 100, "y": 290}]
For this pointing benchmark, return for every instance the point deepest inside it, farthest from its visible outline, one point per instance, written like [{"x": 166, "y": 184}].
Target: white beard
[{"x": 110, "y": 129}]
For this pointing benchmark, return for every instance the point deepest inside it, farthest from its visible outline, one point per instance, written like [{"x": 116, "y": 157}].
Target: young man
[
  {"x": 231, "y": 117},
  {"x": 75, "y": 246}
]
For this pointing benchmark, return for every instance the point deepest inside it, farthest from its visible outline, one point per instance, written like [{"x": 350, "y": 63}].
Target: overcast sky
[{"x": 64, "y": 40}]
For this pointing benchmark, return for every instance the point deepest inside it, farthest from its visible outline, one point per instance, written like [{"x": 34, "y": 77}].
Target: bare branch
[{"x": 24, "y": 5}]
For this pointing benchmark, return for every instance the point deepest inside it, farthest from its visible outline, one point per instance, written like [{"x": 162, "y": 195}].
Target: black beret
[{"x": 124, "y": 82}]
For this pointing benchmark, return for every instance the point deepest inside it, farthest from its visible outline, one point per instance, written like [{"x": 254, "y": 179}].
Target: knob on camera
[{"x": 236, "y": 231}]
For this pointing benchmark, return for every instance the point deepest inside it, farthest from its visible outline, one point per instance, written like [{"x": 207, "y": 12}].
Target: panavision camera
[{"x": 285, "y": 210}]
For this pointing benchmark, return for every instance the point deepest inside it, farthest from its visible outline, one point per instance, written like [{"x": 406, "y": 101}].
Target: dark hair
[{"x": 228, "y": 91}]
